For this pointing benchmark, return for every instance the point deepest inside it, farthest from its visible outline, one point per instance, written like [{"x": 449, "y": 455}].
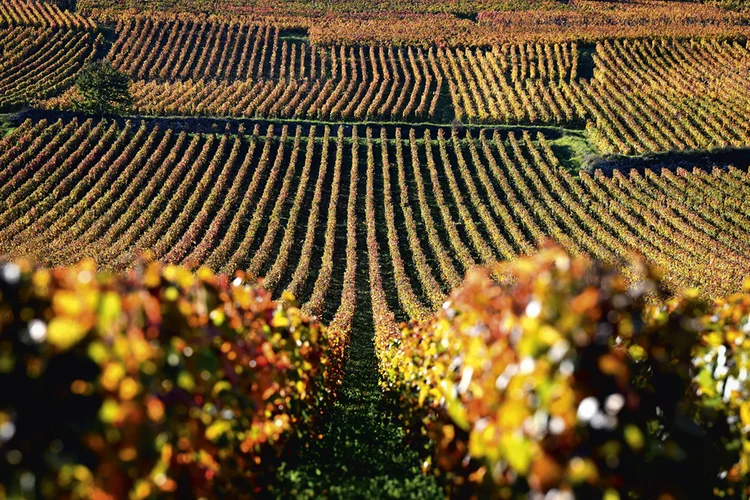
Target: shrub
[
  {"x": 720, "y": 381},
  {"x": 158, "y": 381},
  {"x": 567, "y": 377}
]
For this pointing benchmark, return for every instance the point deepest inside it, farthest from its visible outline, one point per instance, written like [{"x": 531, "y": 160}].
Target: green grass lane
[{"x": 362, "y": 453}]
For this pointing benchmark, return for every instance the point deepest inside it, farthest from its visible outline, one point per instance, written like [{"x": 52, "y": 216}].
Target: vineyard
[
  {"x": 255, "y": 71},
  {"x": 636, "y": 96},
  {"x": 462, "y": 23},
  {"x": 302, "y": 249},
  {"x": 450, "y": 201},
  {"x": 42, "y": 50},
  {"x": 40, "y": 14}
]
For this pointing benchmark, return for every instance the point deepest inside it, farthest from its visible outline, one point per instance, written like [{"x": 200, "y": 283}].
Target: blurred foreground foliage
[
  {"x": 569, "y": 379},
  {"x": 157, "y": 382}
]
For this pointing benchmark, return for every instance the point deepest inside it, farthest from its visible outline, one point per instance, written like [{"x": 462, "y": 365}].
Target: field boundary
[{"x": 209, "y": 124}]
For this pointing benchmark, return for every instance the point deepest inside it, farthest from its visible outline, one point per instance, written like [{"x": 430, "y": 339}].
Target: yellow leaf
[
  {"x": 185, "y": 381},
  {"x": 68, "y": 303},
  {"x": 217, "y": 429},
  {"x": 111, "y": 376},
  {"x": 64, "y": 333},
  {"x": 517, "y": 451},
  {"x": 217, "y": 317},
  {"x": 423, "y": 393},
  {"x": 582, "y": 470},
  {"x": 637, "y": 352},
  {"x": 611, "y": 495},
  {"x": 109, "y": 311},
  {"x": 745, "y": 413},
  {"x": 633, "y": 437},
  {"x": 171, "y": 294},
  {"x": 98, "y": 353},
  {"x": 280, "y": 320},
  {"x": 220, "y": 386},
  {"x": 548, "y": 335},
  {"x": 109, "y": 411},
  {"x": 455, "y": 409},
  {"x": 170, "y": 273},
  {"x": 205, "y": 274},
  {"x": 142, "y": 490},
  {"x": 128, "y": 389}
]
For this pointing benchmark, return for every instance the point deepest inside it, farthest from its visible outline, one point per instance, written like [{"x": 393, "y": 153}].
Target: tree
[{"x": 102, "y": 89}]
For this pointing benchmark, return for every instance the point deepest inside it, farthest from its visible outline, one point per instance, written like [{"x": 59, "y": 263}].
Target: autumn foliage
[
  {"x": 568, "y": 377},
  {"x": 158, "y": 381}
]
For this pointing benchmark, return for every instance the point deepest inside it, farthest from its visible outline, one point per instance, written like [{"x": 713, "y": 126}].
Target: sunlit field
[{"x": 348, "y": 249}]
